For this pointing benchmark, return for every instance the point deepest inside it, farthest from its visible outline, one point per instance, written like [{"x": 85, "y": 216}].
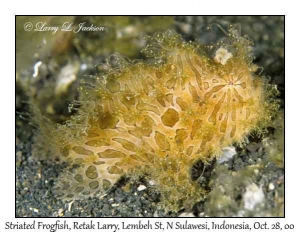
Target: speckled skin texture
[{"x": 160, "y": 118}]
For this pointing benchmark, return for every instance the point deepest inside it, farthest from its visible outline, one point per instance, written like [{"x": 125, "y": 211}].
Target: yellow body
[{"x": 160, "y": 118}]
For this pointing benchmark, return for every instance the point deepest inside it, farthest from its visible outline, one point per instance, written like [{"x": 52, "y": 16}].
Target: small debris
[
  {"x": 201, "y": 214},
  {"x": 141, "y": 188},
  {"x": 228, "y": 153},
  {"x": 186, "y": 215},
  {"x": 36, "y": 69},
  {"x": 60, "y": 212},
  {"x": 271, "y": 186},
  {"x": 65, "y": 78},
  {"x": 83, "y": 67},
  {"x": 253, "y": 196},
  {"x": 152, "y": 182},
  {"x": 70, "y": 206}
]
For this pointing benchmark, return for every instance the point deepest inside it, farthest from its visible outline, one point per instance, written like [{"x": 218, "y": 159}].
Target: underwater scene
[{"x": 150, "y": 116}]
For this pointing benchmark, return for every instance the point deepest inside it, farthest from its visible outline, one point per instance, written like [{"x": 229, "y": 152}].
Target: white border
[{"x": 213, "y": 7}]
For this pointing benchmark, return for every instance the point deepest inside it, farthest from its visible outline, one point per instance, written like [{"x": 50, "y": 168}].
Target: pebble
[
  {"x": 228, "y": 153},
  {"x": 201, "y": 214},
  {"x": 186, "y": 215},
  {"x": 60, "y": 212},
  {"x": 253, "y": 196},
  {"x": 152, "y": 182},
  {"x": 141, "y": 188},
  {"x": 271, "y": 186}
]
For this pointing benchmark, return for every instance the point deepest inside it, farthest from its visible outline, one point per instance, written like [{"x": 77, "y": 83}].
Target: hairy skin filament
[{"x": 159, "y": 117}]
